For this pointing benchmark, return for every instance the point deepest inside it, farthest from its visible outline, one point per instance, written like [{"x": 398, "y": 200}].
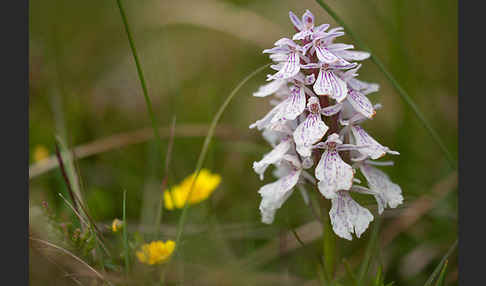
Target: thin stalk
[
  {"x": 408, "y": 100},
  {"x": 125, "y": 234},
  {"x": 148, "y": 102},
  {"x": 204, "y": 150},
  {"x": 328, "y": 248},
  {"x": 165, "y": 181}
]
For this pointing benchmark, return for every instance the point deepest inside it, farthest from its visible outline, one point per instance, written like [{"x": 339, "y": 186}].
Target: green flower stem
[
  {"x": 370, "y": 251},
  {"x": 329, "y": 245},
  {"x": 408, "y": 100}
]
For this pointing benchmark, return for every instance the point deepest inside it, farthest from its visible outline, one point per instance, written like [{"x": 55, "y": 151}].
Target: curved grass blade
[
  {"x": 408, "y": 100},
  {"x": 442, "y": 262},
  {"x": 148, "y": 102},
  {"x": 440, "y": 280},
  {"x": 204, "y": 150}
]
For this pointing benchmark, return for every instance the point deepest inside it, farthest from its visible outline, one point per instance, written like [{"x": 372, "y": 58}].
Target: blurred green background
[{"x": 84, "y": 88}]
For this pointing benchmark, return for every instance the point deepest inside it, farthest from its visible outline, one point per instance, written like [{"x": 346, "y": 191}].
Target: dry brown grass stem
[
  {"x": 70, "y": 254},
  {"x": 418, "y": 208},
  {"x": 134, "y": 137}
]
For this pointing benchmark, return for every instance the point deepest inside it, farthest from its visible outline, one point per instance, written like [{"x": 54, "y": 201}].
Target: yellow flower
[
  {"x": 155, "y": 252},
  {"x": 40, "y": 153},
  {"x": 206, "y": 183},
  {"x": 116, "y": 225}
]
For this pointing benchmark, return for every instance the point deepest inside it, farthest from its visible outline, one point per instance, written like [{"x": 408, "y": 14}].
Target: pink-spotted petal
[
  {"x": 336, "y": 29},
  {"x": 278, "y": 57},
  {"x": 375, "y": 149},
  {"x": 275, "y": 50},
  {"x": 331, "y": 110},
  {"x": 333, "y": 174},
  {"x": 269, "y": 88},
  {"x": 321, "y": 28},
  {"x": 353, "y": 55},
  {"x": 302, "y": 34},
  {"x": 342, "y": 64},
  {"x": 363, "y": 87},
  {"x": 386, "y": 192},
  {"x": 309, "y": 132},
  {"x": 306, "y": 48},
  {"x": 348, "y": 217},
  {"x": 285, "y": 42},
  {"x": 293, "y": 106},
  {"x": 308, "y": 19},
  {"x": 271, "y": 157},
  {"x": 325, "y": 56},
  {"x": 328, "y": 83},
  {"x": 339, "y": 47},
  {"x": 272, "y": 136},
  {"x": 361, "y": 103},
  {"x": 275, "y": 194},
  {"x": 311, "y": 66},
  {"x": 295, "y": 21},
  {"x": 266, "y": 120},
  {"x": 290, "y": 68}
]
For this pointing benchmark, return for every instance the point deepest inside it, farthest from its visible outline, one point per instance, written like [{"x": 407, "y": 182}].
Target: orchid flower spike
[{"x": 319, "y": 106}]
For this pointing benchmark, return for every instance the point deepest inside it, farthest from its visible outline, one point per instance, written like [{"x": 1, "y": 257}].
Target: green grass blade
[
  {"x": 408, "y": 100},
  {"x": 148, "y": 102},
  {"x": 440, "y": 280},
  {"x": 442, "y": 262},
  {"x": 349, "y": 272},
  {"x": 125, "y": 234},
  {"x": 379, "y": 277},
  {"x": 204, "y": 150},
  {"x": 369, "y": 251}
]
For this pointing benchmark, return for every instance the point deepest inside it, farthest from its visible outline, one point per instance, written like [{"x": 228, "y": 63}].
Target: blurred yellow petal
[
  {"x": 40, "y": 153},
  {"x": 168, "y": 200},
  {"x": 204, "y": 186},
  {"x": 155, "y": 252},
  {"x": 116, "y": 225}
]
